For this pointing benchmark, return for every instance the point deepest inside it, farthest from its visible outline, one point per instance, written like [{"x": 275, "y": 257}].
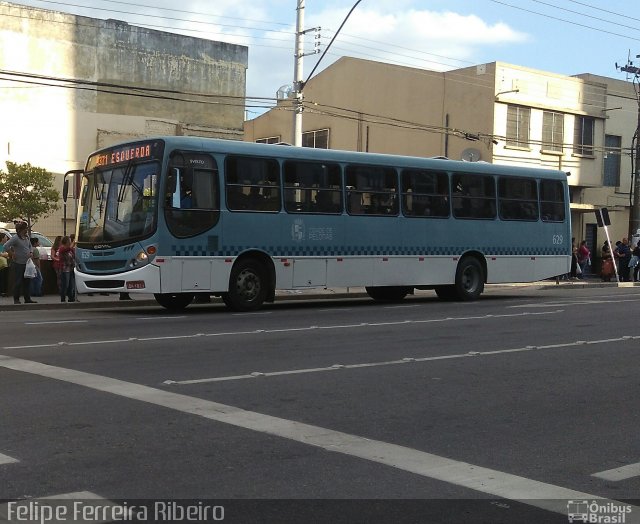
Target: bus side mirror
[{"x": 65, "y": 190}]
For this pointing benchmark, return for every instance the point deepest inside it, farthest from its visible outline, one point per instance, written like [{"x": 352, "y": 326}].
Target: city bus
[{"x": 181, "y": 217}]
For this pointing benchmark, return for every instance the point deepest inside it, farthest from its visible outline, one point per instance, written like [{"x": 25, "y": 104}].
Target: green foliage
[{"x": 27, "y": 192}]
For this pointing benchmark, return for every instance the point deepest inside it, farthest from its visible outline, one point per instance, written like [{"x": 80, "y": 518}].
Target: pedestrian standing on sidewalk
[
  {"x": 584, "y": 257},
  {"x": 36, "y": 282},
  {"x": 67, "y": 259},
  {"x": 623, "y": 254},
  {"x": 20, "y": 247},
  {"x": 573, "y": 274},
  {"x": 55, "y": 260}
]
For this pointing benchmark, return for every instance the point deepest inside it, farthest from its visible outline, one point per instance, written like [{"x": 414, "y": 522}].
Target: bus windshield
[{"x": 119, "y": 204}]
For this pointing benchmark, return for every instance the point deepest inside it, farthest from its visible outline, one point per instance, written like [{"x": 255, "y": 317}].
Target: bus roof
[{"x": 216, "y": 145}]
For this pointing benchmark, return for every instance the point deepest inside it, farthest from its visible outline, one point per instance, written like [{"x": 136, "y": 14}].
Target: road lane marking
[
  {"x": 162, "y": 318},
  {"x": 621, "y": 473},
  {"x": 290, "y": 329},
  {"x": 496, "y": 483},
  {"x": 573, "y": 302},
  {"x": 6, "y": 459},
  {"x": 405, "y": 360},
  {"x": 56, "y": 322}
]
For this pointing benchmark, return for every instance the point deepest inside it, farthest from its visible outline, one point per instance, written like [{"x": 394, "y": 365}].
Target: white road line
[
  {"x": 162, "y": 318},
  {"x": 406, "y": 360},
  {"x": 287, "y": 329},
  {"x": 6, "y": 459},
  {"x": 574, "y": 302},
  {"x": 56, "y": 322},
  {"x": 621, "y": 473},
  {"x": 493, "y": 482}
]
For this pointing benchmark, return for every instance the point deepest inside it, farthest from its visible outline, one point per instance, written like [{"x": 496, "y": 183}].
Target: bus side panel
[
  {"x": 309, "y": 272},
  {"x": 194, "y": 274},
  {"x": 349, "y": 271}
]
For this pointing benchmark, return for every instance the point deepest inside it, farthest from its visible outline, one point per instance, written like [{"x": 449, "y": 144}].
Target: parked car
[{"x": 45, "y": 242}]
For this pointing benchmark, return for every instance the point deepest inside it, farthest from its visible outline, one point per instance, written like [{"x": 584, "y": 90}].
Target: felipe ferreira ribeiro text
[{"x": 88, "y": 511}]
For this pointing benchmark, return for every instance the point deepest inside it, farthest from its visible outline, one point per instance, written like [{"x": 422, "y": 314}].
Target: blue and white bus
[{"x": 182, "y": 216}]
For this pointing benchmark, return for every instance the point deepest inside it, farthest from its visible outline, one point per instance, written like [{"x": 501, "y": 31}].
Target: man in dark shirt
[{"x": 623, "y": 255}]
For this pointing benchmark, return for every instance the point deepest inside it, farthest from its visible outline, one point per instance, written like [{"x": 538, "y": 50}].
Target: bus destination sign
[{"x": 119, "y": 155}]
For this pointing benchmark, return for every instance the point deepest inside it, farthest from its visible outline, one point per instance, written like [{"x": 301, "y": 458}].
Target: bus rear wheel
[
  {"x": 388, "y": 293},
  {"x": 174, "y": 301},
  {"x": 248, "y": 286},
  {"x": 469, "y": 283}
]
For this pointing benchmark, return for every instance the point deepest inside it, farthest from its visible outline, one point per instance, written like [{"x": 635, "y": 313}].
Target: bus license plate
[{"x": 135, "y": 284}]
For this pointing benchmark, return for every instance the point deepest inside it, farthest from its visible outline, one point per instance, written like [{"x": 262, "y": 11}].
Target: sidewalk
[{"x": 97, "y": 300}]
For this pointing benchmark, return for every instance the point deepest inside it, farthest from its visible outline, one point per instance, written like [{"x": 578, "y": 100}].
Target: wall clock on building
[{"x": 471, "y": 154}]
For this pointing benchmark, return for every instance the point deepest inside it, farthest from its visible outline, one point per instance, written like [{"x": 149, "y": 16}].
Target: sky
[{"x": 560, "y": 36}]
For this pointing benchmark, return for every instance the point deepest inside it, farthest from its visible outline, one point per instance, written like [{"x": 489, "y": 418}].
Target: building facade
[
  {"x": 496, "y": 112},
  {"x": 71, "y": 84}
]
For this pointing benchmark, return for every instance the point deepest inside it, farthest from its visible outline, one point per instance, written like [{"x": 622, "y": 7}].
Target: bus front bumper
[{"x": 142, "y": 280}]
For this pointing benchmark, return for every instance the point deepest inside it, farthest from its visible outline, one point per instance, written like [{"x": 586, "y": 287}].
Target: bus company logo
[
  {"x": 597, "y": 512},
  {"x": 101, "y": 246},
  {"x": 197, "y": 161},
  {"x": 297, "y": 230}
]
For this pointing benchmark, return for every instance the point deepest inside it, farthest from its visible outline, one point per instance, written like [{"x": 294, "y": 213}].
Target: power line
[
  {"x": 623, "y": 15},
  {"x": 563, "y": 20},
  {"x": 633, "y": 28}
]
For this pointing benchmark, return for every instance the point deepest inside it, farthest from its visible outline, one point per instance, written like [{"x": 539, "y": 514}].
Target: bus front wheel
[
  {"x": 388, "y": 293},
  {"x": 174, "y": 301},
  {"x": 469, "y": 283},
  {"x": 248, "y": 286}
]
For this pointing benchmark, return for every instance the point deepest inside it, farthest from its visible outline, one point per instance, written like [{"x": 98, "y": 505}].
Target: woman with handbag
[{"x": 20, "y": 247}]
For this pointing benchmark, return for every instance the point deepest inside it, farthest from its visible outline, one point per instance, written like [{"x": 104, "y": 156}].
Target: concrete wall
[
  {"x": 55, "y": 124},
  {"x": 364, "y": 104}
]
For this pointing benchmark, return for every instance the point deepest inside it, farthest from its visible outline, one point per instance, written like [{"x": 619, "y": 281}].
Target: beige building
[
  {"x": 497, "y": 112},
  {"x": 70, "y": 85}
]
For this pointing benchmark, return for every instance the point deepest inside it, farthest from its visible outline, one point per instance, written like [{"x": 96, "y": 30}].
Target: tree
[{"x": 27, "y": 192}]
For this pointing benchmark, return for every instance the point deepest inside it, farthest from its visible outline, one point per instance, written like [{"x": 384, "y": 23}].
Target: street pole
[
  {"x": 634, "y": 216},
  {"x": 634, "y": 213},
  {"x": 297, "y": 76}
]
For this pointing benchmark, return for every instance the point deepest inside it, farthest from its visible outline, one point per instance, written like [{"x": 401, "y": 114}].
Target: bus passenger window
[
  {"x": 425, "y": 193},
  {"x": 552, "y": 201},
  {"x": 372, "y": 190},
  {"x": 518, "y": 198},
  {"x": 312, "y": 187},
  {"x": 474, "y": 196},
  {"x": 252, "y": 184}
]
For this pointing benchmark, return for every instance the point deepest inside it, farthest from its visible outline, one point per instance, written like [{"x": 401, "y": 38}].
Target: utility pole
[
  {"x": 298, "y": 83},
  {"x": 634, "y": 215},
  {"x": 297, "y": 76}
]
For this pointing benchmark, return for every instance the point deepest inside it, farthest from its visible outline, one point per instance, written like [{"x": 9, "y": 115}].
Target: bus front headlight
[{"x": 142, "y": 257}]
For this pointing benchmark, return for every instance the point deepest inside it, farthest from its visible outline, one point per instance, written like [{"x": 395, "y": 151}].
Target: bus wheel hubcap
[{"x": 248, "y": 285}]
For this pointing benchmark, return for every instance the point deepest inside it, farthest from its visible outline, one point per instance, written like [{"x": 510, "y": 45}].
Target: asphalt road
[{"x": 520, "y": 407}]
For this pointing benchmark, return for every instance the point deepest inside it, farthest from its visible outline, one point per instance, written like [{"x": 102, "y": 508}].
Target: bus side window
[{"x": 252, "y": 184}]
